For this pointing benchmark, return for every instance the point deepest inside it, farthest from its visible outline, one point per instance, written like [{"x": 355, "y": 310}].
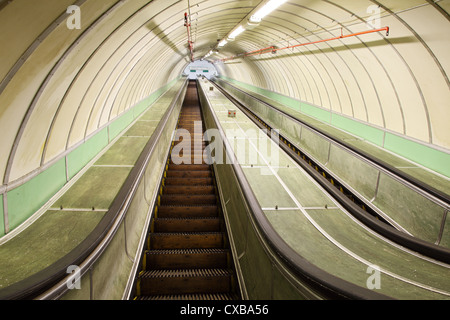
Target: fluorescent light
[
  {"x": 268, "y": 8},
  {"x": 208, "y": 54},
  {"x": 223, "y": 43},
  {"x": 237, "y": 32}
]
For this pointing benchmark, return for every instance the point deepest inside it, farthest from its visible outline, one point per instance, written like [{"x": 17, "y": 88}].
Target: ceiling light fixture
[
  {"x": 223, "y": 43},
  {"x": 268, "y": 8},
  {"x": 236, "y": 32}
]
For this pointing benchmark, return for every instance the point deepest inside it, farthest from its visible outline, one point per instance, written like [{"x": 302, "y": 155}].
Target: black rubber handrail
[
  {"x": 51, "y": 281},
  {"x": 421, "y": 185},
  {"x": 325, "y": 284},
  {"x": 418, "y": 245}
]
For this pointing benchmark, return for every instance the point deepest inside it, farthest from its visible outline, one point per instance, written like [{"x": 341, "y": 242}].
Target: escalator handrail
[
  {"x": 51, "y": 282},
  {"x": 321, "y": 281}
]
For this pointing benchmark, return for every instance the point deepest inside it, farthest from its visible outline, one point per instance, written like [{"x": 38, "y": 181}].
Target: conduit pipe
[
  {"x": 274, "y": 49},
  {"x": 187, "y": 24}
]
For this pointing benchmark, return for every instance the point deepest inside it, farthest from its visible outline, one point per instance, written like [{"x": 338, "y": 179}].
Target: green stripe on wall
[
  {"x": 359, "y": 129},
  {"x": 417, "y": 152},
  {"x": 120, "y": 124},
  {"x": 81, "y": 156},
  {"x": 123, "y": 121},
  {"x": 26, "y": 199},
  {"x": 29, "y": 197},
  {"x": 2, "y": 218},
  {"x": 424, "y": 155},
  {"x": 317, "y": 113}
]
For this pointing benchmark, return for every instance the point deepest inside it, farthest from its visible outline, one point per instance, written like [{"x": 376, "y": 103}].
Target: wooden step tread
[
  {"x": 165, "y": 234},
  {"x": 185, "y": 273},
  {"x": 186, "y": 240},
  {"x": 187, "y": 224},
  {"x": 185, "y": 281},
  {"x": 188, "y": 174},
  {"x": 188, "y": 181},
  {"x": 188, "y": 199},
  {"x": 190, "y": 167},
  {"x": 189, "y": 189},
  {"x": 192, "y": 297},
  {"x": 182, "y": 211},
  {"x": 186, "y": 259},
  {"x": 188, "y": 251}
]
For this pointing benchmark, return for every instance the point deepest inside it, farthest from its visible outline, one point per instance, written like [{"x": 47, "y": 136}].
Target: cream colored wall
[
  {"x": 74, "y": 82},
  {"x": 399, "y": 83},
  {"x": 62, "y": 94}
]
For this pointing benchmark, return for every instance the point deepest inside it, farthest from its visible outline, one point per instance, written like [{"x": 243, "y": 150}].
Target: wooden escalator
[{"x": 188, "y": 255}]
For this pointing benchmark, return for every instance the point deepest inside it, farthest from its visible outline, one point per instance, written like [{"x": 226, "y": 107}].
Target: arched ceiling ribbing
[{"x": 59, "y": 86}]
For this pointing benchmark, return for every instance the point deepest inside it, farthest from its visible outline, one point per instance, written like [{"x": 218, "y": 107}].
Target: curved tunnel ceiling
[{"x": 59, "y": 86}]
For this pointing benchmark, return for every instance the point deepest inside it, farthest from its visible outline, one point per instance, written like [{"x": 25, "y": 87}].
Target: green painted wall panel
[
  {"x": 424, "y": 155},
  {"x": 26, "y": 199},
  {"x": 316, "y": 112},
  {"x": 141, "y": 107},
  {"x": 147, "y": 102},
  {"x": 31, "y": 196},
  {"x": 81, "y": 156},
  {"x": 120, "y": 124},
  {"x": 359, "y": 129},
  {"x": 2, "y": 219}
]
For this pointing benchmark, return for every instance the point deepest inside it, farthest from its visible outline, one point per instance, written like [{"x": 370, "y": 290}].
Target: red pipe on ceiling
[
  {"x": 273, "y": 49},
  {"x": 187, "y": 24}
]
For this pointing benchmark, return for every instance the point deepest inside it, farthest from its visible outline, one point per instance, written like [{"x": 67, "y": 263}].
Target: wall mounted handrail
[{"x": 51, "y": 282}]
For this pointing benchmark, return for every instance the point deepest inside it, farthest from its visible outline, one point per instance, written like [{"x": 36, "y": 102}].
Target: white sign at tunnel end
[{"x": 74, "y": 21}]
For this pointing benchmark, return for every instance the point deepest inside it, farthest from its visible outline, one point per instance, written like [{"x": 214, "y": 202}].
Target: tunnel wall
[
  {"x": 42, "y": 187},
  {"x": 390, "y": 90},
  {"x": 62, "y": 87},
  {"x": 66, "y": 93},
  {"x": 416, "y": 151}
]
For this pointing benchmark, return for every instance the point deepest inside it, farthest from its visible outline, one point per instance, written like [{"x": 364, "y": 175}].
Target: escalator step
[
  {"x": 186, "y": 189},
  {"x": 186, "y": 240},
  {"x": 188, "y": 181},
  {"x": 188, "y": 174},
  {"x": 193, "y": 160},
  {"x": 171, "y": 211},
  {"x": 185, "y": 281},
  {"x": 190, "y": 167},
  {"x": 187, "y": 224},
  {"x": 187, "y": 258},
  {"x": 200, "y": 296},
  {"x": 188, "y": 199}
]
